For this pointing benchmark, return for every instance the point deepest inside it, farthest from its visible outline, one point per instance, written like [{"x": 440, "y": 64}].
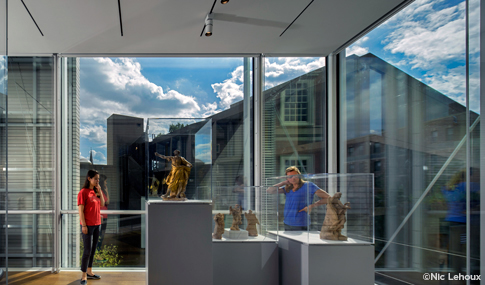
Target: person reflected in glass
[
  {"x": 299, "y": 195},
  {"x": 239, "y": 190},
  {"x": 103, "y": 183},
  {"x": 89, "y": 201},
  {"x": 453, "y": 230}
]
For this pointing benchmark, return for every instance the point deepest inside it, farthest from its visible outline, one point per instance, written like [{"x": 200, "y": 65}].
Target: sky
[{"x": 425, "y": 40}]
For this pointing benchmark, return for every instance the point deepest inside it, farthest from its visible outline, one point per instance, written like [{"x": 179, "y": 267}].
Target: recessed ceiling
[{"x": 174, "y": 27}]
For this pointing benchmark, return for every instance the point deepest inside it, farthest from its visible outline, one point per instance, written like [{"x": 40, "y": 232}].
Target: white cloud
[
  {"x": 357, "y": 50},
  {"x": 427, "y": 40},
  {"x": 98, "y": 157},
  {"x": 82, "y": 158},
  {"x": 209, "y": 109},
  {"x": 279, "y": 70},
  {"x": 231, "y": 90},
  {"x": 94, "y": 133},
  {"x": 117, "y": 86},
  {"x": 203, "y": 152},
  {"x": 429, "y": 36}
]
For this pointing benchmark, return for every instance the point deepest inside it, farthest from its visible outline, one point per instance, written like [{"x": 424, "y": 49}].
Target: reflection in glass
[
  {"x": 403, "y": 118},
  {"x": 30, "y": 127},
  {"x": 30, "y": 240},
  {"x": 3, "y": 137},
  {"x": 475, "y": 142},
  {"x": 249, "y": 198},
  {"x": 193, "y": 138},
  {"x": 203, "y": 153},
  {"x": 123, "y": 244},
  {"x": 294, "y": 117},
  {"x": 109, "y": 126},
  {"x": 296, "y": 222},
  {"x": 30, "y": 133}
]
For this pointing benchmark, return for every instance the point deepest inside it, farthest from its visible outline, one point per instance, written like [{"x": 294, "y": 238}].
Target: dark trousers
[
  {"x": 89, "y": 240},
  {"x": 104, "y": 224},
  {"x": 295, "y": 228}
]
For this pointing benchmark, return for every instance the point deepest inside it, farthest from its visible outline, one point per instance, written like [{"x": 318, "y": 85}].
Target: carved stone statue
[
  {"x": 219, "y": 228},
  {"x": 334, "y": 218},
  {"x": 252, "y": 221},
  {"x": 177, "y": 178},
  {"x": 236, "y": 217}
]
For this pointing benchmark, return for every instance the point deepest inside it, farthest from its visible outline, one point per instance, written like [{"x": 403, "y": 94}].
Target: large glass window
[
  {"x": 30, "y": 127},
  {"x": 477, "y": 170},
  {"x": 294, "y": 117},
  {"x": 3, "y": 134},
  {"x": 403, "y": 117},
  {"x": 119, "y": 112}
]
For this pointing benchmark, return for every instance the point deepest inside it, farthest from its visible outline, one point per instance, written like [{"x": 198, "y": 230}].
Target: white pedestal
[
  {"x": 179, "y": 243},
  {"x": 241, "y": 234},
  {"x": 324, "y": 262}
]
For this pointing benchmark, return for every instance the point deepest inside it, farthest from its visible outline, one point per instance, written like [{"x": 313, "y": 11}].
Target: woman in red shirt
[{"x": 89, "y": 201}]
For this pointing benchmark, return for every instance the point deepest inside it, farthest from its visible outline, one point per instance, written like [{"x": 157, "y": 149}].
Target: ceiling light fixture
[
  {"x": 208, "y": 25},
  {"x": 224, "y": 1}
]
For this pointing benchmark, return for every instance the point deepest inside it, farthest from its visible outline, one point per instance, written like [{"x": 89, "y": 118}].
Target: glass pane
[
  {"x": 30, "y": 133},
  {"x": 110, "y": 100},
  {"x": 325, "y": 207},
  {"x": 203, "y": 155},
  {"x": 475, "y": 134},
  {"x": 240, "y": 206},
  {"x": 294, "y": 115},
  {"x": 403, "y": 118},
  {"x": 3, "y": 135},
  {"x": 121, "y": 242},
  {"x": 293, "y": 133},
  {"x": 30, "y": 241},
  {"x": 193, "y": 139},
  {"x": 202, "y": 106}
]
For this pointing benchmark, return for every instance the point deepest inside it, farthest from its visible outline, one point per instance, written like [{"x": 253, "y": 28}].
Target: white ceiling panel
[{"x": 174, "y": 27}]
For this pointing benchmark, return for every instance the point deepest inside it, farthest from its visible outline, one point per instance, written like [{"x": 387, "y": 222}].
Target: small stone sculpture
[
  {"x": 219, "y": 228},
  {"x": 252, "y": 221},
  {"x": 334, "y": 218},
  {"x": 177, "y": 178},
  {"x": 236, "y": 217}
]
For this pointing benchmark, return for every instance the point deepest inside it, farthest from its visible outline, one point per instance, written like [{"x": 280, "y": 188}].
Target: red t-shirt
[{"x": 92, "y": 205}]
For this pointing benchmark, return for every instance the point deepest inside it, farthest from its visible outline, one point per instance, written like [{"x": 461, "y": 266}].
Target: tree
[{"x": 174, "y": 127}]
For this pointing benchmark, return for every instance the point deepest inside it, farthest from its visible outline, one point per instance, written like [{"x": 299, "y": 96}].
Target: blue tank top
[{"x": 295, "y": 201}]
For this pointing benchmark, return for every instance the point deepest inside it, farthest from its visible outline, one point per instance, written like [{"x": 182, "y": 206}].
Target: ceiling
[{"x": 174, "y": 27}]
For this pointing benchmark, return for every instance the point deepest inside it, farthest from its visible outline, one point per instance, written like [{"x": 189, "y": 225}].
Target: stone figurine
[
  {"x": 334, "y": 218},
  {"x": 177, "y": 178},
  {"x": 219, "y": 228},
  {"x": 252, "y": 221},
  {"x": 236, "y": 217}
]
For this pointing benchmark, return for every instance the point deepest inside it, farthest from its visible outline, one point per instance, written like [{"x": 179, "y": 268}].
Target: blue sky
[
  {"x": 166, "y": 88},
  {"x": 425, "y": 40}
]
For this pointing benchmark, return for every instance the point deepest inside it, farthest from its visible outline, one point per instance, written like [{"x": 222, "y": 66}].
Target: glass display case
[
  {"x": 243, "y": 214},
  {"x": 324, "y": 208},
  {"x": 192, "y": 138}
]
